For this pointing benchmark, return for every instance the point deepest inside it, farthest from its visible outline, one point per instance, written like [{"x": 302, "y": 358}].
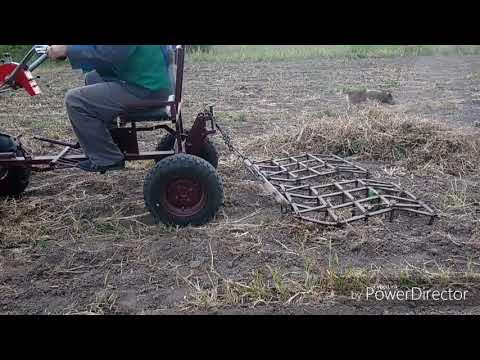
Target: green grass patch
[
  {"x": 239, "y": 53},
  {"x": 16, "y": 51}
]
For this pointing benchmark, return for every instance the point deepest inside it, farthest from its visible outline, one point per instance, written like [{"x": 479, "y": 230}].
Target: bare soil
[{"x": 83, "y": 244}]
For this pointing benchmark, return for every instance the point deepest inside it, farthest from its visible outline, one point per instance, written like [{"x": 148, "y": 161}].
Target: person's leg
[
  {"x": 92, "y": 78},
  {"x": 91, "y": 109}
]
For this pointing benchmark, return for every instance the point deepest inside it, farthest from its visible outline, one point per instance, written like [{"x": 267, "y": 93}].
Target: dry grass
[
  {"x": 269, "y": 286},
  {"x": 457, "y": 195},
  {"x": 376, "y": 133}
]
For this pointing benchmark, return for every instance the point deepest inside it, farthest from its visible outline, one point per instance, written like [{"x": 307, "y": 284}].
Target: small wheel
[
  {"x": 13, "y": 179},
  {"x": 183, "y": 190},
  {"x": 209, "y": 151}
]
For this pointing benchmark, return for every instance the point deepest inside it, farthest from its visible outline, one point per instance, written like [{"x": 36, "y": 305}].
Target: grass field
[{"x": 241, "y": 53}]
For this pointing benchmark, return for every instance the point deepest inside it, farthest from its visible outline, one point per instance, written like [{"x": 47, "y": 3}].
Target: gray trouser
[{"x": 93, "y": 108}]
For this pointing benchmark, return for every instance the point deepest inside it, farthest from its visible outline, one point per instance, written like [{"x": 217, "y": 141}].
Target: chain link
[
  {"x": 228, "y": 141},
  {"x": 254, "y": 171}
]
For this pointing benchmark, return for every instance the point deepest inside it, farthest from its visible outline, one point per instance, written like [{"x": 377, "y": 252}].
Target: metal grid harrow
[
  {"x": 329, "y": 190},
  {"x": 306, "y": 168}
]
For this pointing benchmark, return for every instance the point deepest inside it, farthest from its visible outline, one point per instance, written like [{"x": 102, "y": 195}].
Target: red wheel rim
[{"x": 184, "y": 197}]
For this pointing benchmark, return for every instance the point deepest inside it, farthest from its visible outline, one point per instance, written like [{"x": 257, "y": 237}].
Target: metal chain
[
  {"x": 228, "y": 141},
  {"x": 269, "y": 188}
]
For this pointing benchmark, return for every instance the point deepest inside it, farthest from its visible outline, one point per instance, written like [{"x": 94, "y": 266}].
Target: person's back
[{"x": 146, "y": 66}]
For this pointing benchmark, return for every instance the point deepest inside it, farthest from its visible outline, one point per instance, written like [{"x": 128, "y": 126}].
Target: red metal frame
[
  {"x": 23, "y": 79},
  {"x": 125, "y": 137}
]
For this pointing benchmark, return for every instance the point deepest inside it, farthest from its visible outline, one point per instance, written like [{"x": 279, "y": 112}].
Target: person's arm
[{"x": 97, "y": 57}]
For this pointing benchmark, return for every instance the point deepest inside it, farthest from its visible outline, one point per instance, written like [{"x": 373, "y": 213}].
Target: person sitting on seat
[{"x": 118, "y": 78}]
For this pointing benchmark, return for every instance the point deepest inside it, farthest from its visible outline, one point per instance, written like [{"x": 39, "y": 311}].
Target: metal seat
[
  {"x": 156, "y": 114},
  {"x": 150, "y": 114}
]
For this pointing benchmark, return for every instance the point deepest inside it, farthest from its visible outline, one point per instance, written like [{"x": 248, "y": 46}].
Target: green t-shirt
[{"x": 147, "y": 67}]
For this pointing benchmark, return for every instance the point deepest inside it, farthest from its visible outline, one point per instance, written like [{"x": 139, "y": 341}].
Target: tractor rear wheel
[{"x": 183, "y": 190}]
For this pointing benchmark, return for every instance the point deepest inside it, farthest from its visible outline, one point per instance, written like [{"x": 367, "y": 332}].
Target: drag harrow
[{"x": 329, "y": 190}]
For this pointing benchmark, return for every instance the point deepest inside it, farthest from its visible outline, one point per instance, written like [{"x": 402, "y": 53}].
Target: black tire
[
  {"x": 209, "y": 151},
  {"x": 13, "y": 179},
  {"x": 183, "y": 190}
]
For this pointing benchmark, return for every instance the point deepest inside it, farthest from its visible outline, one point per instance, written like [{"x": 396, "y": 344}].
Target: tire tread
[{"x": 184, "y": 161}]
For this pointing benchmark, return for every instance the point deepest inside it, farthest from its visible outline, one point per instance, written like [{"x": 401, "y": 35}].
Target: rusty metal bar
[
  {"x": 56, "y": 142},
  {"x": 8, "y": 155},
  {"x": 63, "y": 153},
  {"x": 45, "y": 160}
]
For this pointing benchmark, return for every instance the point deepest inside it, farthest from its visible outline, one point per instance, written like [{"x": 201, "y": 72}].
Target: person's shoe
[{"x": 89, "y": 166}]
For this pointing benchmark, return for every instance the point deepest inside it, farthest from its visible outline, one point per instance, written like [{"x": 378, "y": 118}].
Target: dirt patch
[{"x": 84, "y": 244}]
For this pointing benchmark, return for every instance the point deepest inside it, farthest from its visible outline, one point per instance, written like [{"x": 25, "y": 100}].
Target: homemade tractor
[{"x": 182, "y": 188}]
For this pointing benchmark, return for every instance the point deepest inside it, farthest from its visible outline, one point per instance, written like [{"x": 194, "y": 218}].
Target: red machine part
[{"x": 24, "y": 78}]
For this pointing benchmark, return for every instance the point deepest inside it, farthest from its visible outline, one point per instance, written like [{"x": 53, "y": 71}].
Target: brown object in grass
[{"x": 355, "y": 97}]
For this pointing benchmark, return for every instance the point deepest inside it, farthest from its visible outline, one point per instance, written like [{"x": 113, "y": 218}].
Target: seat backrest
[
  {"x": 175, "y": 59},
  {"x": 179, "y": 62},
  {"x": 172, "y": 67}
]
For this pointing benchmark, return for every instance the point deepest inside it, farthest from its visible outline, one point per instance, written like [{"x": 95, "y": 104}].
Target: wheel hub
[
  {"x": 185, "y": 197},
  {"x": 3, "y": 172}
]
